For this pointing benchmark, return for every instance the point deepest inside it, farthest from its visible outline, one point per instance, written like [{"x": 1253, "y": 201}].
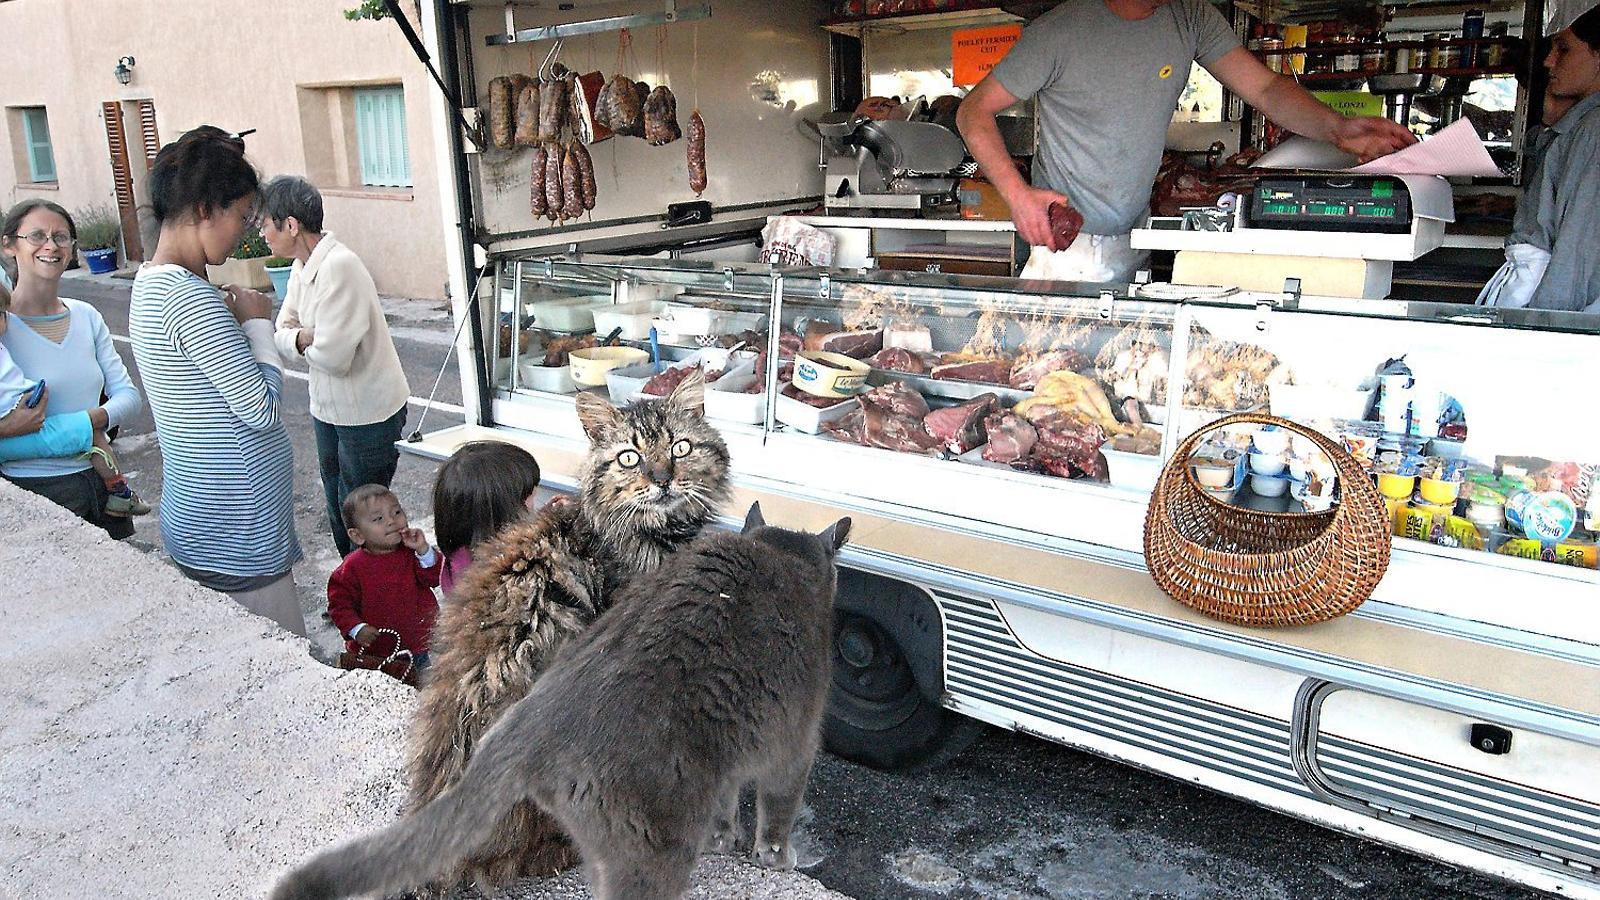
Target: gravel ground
[{"x": 158, "y": 741}]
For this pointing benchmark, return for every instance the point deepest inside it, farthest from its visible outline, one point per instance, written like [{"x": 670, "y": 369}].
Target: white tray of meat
[
  {"x": 807, "y": 417},
  {"x": 737, "y": 398},
  {"x": 630, "y": 382},
  {"x": 1130, "y": 470},
  {"x": 553, "y": 379}
]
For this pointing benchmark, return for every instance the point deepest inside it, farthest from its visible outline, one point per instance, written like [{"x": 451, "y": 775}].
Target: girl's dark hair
[
  {"x": 15, "y": 215},
  {"x": 200, "y": 172},
  {"x": 1587, "y": 28},
  {"x": 481, "y": 489}
]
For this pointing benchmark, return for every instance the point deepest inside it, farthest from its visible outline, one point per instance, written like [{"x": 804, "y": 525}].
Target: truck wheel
[{"x": 877, "y": 716}]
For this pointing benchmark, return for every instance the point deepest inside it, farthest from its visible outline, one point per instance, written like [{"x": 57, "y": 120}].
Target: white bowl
[
  {"x": 1268, "y": 485},
  {"x": 1267, "y": 464},
  {"x": 1274, "y": 442}
]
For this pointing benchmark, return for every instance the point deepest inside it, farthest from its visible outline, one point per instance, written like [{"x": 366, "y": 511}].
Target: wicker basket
[{"x": 1263, "y": 568}]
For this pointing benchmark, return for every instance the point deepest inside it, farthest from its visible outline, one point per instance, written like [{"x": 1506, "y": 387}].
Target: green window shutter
[
  {"x": 381, "y": 137},
  {"x": 36, "y": 133}
]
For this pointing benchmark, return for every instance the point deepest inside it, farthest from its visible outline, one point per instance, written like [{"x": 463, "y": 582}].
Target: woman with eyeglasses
[
  {"x": 215, "y": 383},
  {"x": 66, "y": 344}
]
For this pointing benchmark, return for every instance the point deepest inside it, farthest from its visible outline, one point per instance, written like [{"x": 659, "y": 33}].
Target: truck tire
[{"x": 877, "y": 714}]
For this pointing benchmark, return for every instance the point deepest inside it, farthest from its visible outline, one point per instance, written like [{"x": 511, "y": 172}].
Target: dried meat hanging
[
  {"x": 661, "y": 107},
  {"x": 697, "y": 126}
]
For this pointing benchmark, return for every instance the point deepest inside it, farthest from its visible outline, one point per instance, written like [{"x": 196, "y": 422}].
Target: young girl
[{"x": 481, "y": 488}]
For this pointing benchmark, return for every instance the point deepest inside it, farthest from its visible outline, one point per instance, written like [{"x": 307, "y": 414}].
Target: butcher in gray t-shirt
[{"x": 1107, "y": 75}]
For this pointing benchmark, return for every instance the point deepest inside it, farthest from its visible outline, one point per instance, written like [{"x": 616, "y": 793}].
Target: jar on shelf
[
  {"x": 1471, "y": 29},
  {"x": 1273, "y": 60},
  {"x": 1400, "y": 60},
  {"x": 1494, "y": 55},
  {"x": 1349, "y": 56}
]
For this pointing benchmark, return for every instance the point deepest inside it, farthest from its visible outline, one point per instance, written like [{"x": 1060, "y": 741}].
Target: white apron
[
  {"x": 1513, "y": 285},
  {"x": 1092, "y": 257}
]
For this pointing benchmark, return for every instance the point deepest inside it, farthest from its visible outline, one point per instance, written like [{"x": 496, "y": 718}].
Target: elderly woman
[
  {"x": 332, "y": 319},
  {"x": 215, "y": 383}
]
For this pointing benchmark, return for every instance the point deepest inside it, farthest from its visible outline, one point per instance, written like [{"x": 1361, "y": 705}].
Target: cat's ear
[
  {"x": 597, "y": 416},
  {"x": 836, "y": 534},
  {"x": 690, "y": 394},
  {"x": 753, "y": 519}
]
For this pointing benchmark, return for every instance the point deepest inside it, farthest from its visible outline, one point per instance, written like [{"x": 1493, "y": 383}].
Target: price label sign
[
  {"x": 976, "y": 51},
  {"x": 1351, "y": 104}
]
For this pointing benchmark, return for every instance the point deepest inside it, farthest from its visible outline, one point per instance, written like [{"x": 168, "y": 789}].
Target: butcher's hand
[
  {"x": 1030, "y": 210},
  {"x": 24, "y": 419},
  {"x": 1369, "y": 137}
]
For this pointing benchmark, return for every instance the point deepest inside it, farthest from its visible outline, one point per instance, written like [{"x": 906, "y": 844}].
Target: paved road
[{"x": 1014, "y": 817}]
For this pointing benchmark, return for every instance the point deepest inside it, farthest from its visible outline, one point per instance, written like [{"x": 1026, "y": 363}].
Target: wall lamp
[{"x": 124, "y": 70}]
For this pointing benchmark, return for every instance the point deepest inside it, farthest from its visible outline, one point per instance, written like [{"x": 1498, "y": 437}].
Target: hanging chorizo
[
  {"x": 697, "y": 153},
  {"x": 571, "y": 186},
  {"x": 536, "y": 198},
  {"x": 553, "y": 195},
  {"x": 586, "y": 179}
]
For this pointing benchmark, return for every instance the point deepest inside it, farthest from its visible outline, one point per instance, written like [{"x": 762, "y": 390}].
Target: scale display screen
[{"x": 1360, "y": 203}]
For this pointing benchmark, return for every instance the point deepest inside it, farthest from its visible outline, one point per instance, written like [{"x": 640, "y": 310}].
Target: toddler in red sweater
[{"x": 388, "y": 580}]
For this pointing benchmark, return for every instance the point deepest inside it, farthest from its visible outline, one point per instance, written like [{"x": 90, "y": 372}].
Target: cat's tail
[{"x": 428, "y": 843}]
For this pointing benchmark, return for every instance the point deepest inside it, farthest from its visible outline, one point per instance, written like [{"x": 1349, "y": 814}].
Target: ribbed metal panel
[{"x": 985, "y": 662}]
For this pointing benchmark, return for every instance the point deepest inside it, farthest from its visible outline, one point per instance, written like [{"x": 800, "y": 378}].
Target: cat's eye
[
  {"x": 628, "y": 459},
  {"x": 681, "y": 449}
]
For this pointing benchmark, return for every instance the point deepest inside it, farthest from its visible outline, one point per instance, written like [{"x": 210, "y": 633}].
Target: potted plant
[
  {"x": 246, "y": 265},
  {"x": 99, "y": 234},
  {"x": 278, "y": 268}
]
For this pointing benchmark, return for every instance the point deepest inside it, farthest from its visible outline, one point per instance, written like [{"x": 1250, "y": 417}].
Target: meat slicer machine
[{"x": 889, "y": 165}]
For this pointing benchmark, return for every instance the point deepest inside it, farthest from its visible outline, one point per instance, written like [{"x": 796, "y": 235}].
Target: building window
[
  {"x": 36, "y": 141},
  {"x": 381, "y": 137}
]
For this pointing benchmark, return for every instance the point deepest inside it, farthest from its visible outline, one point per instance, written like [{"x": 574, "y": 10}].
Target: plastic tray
[
  {"x": 626, "y": 382},
  {"x": 725, "y": 400},
  {"x": 808, "y": 418},
  {"x": 570, "y": 315},
  {"x": 632, "y": 318},
  {"x": 1134, "y": 471}
]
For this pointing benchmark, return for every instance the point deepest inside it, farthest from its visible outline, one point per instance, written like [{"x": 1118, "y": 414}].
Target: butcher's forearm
[
  {"x": 1291, "y": 106},
  {"x": 988, "y": 147}
]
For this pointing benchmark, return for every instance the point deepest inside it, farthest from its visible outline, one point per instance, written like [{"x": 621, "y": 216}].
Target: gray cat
[{"x": 708, "y": 674}]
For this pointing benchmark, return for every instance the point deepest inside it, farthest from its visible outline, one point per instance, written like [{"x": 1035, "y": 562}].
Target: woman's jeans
[{"x": 353, "y": 455}]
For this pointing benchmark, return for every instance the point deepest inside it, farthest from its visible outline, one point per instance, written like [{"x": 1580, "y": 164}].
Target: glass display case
[{"x": 1050, "y": 409}]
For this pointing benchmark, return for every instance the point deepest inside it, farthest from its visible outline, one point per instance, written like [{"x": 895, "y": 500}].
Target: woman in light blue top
[
  {"x": 65, "y": 343},
  {"x": 215, "y": 384}
]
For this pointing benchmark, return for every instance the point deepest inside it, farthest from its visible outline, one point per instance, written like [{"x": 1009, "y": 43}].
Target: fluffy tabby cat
[
  {"x": 655, "y": 474},
  {"x": 706, "y": 675}
]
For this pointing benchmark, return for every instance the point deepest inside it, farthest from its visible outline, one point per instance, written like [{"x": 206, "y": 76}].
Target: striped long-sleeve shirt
[{"x": 227, "y": 499}]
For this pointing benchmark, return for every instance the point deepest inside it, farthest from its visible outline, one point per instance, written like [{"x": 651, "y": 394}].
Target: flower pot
[
  {"x": 280, "y": 280},
  {"x": 249, "y": 273},
  {"x": 101, "y": 262}
]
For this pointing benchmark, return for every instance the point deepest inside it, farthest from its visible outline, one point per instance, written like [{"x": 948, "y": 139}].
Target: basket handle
[{"x": 1343, "y": 463}]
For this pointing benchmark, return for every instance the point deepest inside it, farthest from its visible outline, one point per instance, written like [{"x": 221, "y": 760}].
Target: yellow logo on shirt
[{"x": 1165, "y": 73}]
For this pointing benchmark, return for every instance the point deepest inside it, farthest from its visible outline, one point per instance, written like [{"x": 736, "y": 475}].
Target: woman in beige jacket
[{"x": 332, "y": 319}]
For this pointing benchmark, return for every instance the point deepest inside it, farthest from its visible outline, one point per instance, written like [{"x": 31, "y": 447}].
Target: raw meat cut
[
  {"x": 894, "y": 359},
  {"x": 1065, "y": 223},
  {"x": 989, "y": 371},
  {"x": 789, "y": 343},
  {"x": 1011, "y": 438},
  {"x": 794, "y": 393},
  {"x": 1027, "y": 372},
  {"x": 960, "y": 428},
  {"x": 886, "y": 429},
  {"x": 898, "y": 399},
  {"x": 831, "y": 338}
]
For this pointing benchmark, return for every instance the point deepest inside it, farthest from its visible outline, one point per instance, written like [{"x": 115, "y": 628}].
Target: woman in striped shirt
[{"x": 214, "y": 381}]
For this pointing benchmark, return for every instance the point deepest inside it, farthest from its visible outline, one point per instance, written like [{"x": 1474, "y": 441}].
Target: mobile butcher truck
[{"x": 1000, "y": 469}]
